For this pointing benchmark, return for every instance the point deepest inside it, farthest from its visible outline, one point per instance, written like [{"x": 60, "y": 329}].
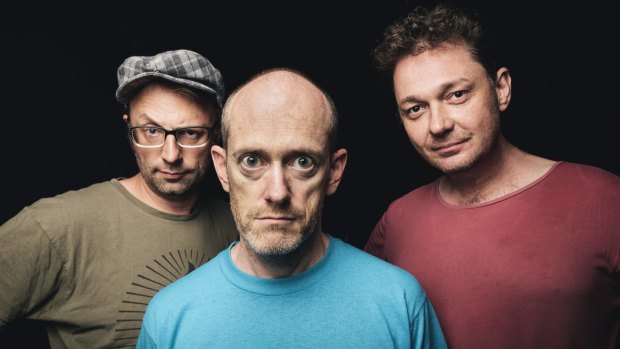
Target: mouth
[
  {"x": 276, "y": 218},
  {"x": 172, "y": 175},
  {"x": 447, "y": 149}
]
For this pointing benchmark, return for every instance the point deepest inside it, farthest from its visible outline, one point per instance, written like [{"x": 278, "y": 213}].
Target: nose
[
  {"x": 277, "y": 190},
  {"x": 170, "y": 150},
  {"x": 440, "y": 121}
]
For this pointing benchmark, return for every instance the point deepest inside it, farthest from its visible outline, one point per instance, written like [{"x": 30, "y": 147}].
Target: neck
[
  {"x": 181, "y": 205},
  {"x": 505, "y": 170},
  {"x": 309, "y": 253}
]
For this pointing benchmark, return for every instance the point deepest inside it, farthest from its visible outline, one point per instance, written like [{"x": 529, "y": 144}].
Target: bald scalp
[{"x": 277, "y": 87}]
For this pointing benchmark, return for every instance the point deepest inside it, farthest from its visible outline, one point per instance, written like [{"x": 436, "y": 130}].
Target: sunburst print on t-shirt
[{"x": 164, "y": 270}]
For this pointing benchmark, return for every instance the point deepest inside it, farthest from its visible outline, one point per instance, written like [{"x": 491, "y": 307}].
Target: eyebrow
[
  {"x": 288, "y": 153},
  {"x": 149, "y": 121},
  {"x": 145, "y": 116},
  {"x": 441, "y": 90}
]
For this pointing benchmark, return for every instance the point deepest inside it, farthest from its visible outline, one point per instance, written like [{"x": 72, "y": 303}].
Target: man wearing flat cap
[{"x": 87, "y": 262}]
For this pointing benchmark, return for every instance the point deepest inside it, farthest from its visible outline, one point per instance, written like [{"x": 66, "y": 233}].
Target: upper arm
[{"x": 30, "y": 267}]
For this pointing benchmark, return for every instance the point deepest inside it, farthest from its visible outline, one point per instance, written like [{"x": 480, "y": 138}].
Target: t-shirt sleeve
[
  {"x": 425, "y": 330},
  {"x": 375, "y": 243},
  {"x": 29, "y": 265},
  {"x": 145, "y": 340}
]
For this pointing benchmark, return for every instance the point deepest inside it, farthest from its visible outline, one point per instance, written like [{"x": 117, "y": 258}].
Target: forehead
[
  {"x": 162, "y": 104},
  {"x": 437, "y": 66},
  {"x": 279, "y": 116},
  {"x": 279, "y": 131}
]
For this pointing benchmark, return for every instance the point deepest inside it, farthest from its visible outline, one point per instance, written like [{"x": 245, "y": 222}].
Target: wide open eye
[
  {"x": 303, "y": 162},
  {"x": 250, "y": 161}
]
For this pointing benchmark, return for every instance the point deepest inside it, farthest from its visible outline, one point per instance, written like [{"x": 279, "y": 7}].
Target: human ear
[
  {"x": 503, "y": 88},
  {"x": 336, "y": 170},
  {"x": 218, "y": 154}
]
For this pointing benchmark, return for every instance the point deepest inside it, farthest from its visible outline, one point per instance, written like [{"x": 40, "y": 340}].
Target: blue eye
[
  {"x": 304, "y": 162},
  {"x": 250, "y": 160}
]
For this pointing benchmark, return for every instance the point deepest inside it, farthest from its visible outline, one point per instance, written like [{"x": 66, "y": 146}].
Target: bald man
[{"x": 286, "y": 283}]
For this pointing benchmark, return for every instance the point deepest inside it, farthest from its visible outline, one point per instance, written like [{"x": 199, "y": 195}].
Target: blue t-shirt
[{"x": 349, "y": 299}]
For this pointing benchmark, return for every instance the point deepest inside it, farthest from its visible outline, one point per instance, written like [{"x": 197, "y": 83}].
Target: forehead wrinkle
[
  {"x": 260, "y": 135},
  {"x": 166, "y": 107}
]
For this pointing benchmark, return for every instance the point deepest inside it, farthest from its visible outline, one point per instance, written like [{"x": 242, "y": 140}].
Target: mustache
[{"x": 276, "y": 211}]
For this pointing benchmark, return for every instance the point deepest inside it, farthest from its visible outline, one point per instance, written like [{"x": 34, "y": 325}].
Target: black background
[{"x": 62, "y": 127}]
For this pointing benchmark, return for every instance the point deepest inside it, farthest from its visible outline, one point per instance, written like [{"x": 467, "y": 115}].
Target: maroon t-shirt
[{"x": 538, "y": 268}]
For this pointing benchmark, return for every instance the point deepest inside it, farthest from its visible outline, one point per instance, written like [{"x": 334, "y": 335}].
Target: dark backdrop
[{"x": 62, "y": 128}]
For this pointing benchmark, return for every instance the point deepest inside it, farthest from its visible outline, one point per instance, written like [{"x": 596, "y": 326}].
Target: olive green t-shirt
[{"x": 89, "y": 261}]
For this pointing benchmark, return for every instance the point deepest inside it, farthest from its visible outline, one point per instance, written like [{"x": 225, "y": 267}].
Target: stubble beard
[
  {"x": 274, "y": 243},
  {"x": 176, "y": 190},
  {"x": 483, "y": 150}
]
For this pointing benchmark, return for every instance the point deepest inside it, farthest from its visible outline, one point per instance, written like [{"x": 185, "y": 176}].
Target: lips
[
  {"x": 172, "y": 175},
  {"x": 276, "y": 218},
  {"x": 447, "y": 149}
]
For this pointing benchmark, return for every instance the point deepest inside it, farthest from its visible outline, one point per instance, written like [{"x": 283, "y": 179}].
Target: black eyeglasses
[{"x": 155, "y": 137}]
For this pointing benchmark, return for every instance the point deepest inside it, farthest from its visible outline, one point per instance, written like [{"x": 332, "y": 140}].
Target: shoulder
[
  {"x": 582, "y": 176},
  {"x": 420, "y": 195},
  {"x": 74, "y": 201},
  {"x": 97, "y": 191},
  {"x": 51, "y": 221},
  {"x": 580, "y": 169},
  {"x": 374, "y": 269},
  {"x": 377, "y": 281},
  {"x": 69, "y": 212}
]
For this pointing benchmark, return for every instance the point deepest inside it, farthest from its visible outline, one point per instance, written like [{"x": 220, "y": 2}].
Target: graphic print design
[{"x": 162, "y": 272}]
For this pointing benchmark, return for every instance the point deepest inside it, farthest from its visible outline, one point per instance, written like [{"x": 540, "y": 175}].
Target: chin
[
  {"x": 276, "y": 250},
  {"x": 172, "y": 191},
  {"x": 454, "y": 167},
  {"x": 275, "y": 243},
  {"x": 180, "y": 188}
]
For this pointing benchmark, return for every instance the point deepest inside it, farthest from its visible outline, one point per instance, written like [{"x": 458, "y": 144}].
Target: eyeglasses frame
[{"x": 173, "y": 132}]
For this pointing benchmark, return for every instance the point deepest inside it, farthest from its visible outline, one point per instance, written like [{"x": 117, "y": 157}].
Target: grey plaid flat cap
[{"x": 184, "y": 67}]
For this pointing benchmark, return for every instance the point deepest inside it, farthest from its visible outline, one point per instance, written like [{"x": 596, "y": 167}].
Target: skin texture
[
  {"x": 450, "y": 109},
  {"x": 170, "y": 176},
  {"x": 277, "y": 167}
]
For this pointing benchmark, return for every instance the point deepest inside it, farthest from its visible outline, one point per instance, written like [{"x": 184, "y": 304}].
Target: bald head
[{"x": 281, "y": 94}]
